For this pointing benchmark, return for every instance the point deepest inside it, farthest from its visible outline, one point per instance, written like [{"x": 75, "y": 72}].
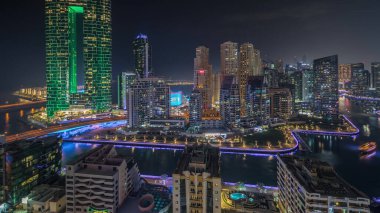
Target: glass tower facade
[
  {"x": 326, "y": 84},
  {"x": 142, "y": 55},
  {"x": 78, "y": 32}
]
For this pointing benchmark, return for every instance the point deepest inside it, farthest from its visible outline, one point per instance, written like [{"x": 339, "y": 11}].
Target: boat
[{"x": 368, "y": 147}]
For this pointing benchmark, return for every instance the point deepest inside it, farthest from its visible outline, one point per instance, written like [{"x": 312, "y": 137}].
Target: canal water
[{"x": 341, "y": 152}]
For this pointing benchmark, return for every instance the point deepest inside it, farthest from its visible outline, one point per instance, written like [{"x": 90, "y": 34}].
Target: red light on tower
[{"x": 202, "y": 72}]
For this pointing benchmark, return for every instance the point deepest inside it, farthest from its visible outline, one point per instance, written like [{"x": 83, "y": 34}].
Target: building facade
[
  {"x": 361, "y": 80},
  {"x": 257, "y": 100},
  {"x": 142, "y": 53},
  {"x": 149, "y": 98},
  {"x": 307, "y": 85},
  {"x": 375, "y": 73},
  {"x": 246, "y": 69},
  {"x": 195, "y": 108},
  {"x": 26, "y": 164},
  {"x": 229, "y": 58},
  {"x": 314, "y": 186},
  {"x": 125, "y": 80},
  {"x": 78, "y": 45},
  {"x": 196, "y": 181},
  {"x": 344, "y": 75},
  {"x": 100, "y": 181},
  {"x": 280, "y": 103},
  {"x": 326, "y": 95},
  {"x": 203, "y": 75},
  {"x": 230, "y": 101}
]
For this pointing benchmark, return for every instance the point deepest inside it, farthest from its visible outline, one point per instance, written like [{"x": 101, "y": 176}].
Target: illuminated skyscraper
[
  {"x": 280, "y": 103},
  {"x": 257, "y": 99},
  {"x": 257, "y": 67},
  {"x": 78, "y": 37},
  {"x": 142, "y": 52},
  {"x": 216, "y": 78},
  {"x": 326, "y": 88},
  {"x": 203, "y": 75},
  {"x": 307, "y": 85},
  {"x": 125, "y": 80},
  {"x": 229, "y": 62},
  {"x": 149, "y": 99},
  {"x": 360, "y": 80},
  {"x": 230, "y": 101},
  {"x": 375, "y": 70},
  {"x": 195, "y": 108},
  {"x": 344, "y": 74},
  {"x": 246, "y": 69},
  {"x": 296, "y": 80}
]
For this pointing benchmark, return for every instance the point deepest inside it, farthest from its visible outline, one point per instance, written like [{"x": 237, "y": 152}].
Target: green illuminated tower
[{"x": 78, "y": 43}]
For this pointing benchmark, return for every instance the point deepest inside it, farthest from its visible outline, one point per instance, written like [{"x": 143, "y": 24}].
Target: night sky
[{"x": 279, "y": 28}]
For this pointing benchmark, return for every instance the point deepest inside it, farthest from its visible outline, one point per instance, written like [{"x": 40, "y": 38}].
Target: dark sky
[{"x": 279, "y": 28}]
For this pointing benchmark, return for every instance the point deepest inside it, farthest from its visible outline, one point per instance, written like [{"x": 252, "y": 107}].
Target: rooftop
[
  {"x": 199, "y": 158},
  {"x": 319, "y": 177}
]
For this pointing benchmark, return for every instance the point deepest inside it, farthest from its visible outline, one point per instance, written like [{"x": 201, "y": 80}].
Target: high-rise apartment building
[
  {"x": 313, "y": 186},
  {"x": 142, "y": 52},
  {"x": 196, "y": 180},
  {"x": 361, "y": 78},
  {"x": 258, "y": 67},
  {"x": 125, "y": 80},
  {"x": 296, "y": 80},
  {"x": 100, "y": 181},
  {"x": 280, "y": 103},
  {"x": 149, "y": 98},
  {"x": 230, "y": 101},
  {"x": 326, "y": 95},
  {"x": 307, "y": 85},
  {"x": 78, "y": 44},
  {"x": 249, "y": 65},
  {"x": 375, "y": 73},
  {"x": 203, "y": 75},
  {"x": 216, "y": 79},
  {"x": 195, "y": 108},
  {"x": 344, "y": 75},
  {"x": 257, "y": 99},
  {"x": 246, "y": 69},
  {"x": 229, "y": 58}
]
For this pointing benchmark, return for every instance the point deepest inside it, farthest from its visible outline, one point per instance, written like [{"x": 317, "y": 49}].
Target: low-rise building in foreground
[{"x": 313, "y": 186}]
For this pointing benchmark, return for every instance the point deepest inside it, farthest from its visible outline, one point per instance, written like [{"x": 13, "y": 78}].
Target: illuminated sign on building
[{"x": 176, "y": 98}]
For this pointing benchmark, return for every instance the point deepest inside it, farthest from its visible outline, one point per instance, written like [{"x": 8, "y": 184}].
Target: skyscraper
[
  {"x": 326, "y": 88},
  {"x": 296, "y": 80},
  {"x": 78, "y": 38},
  {"x": 125, "y": 80},
  {"x": 195, "y": 108},
  {"x": 230, "y": 101},
  {"x": 360, "y": 82},
  {"x": 246, "y": 69},
  {"x": 280, "y": 103},
  {"x": 257, "y": 99},
  {"x": 258, "y": 67},
  {"x": 229, "y": 62},
  {"x": 375, "y": 70},
  {"x": 216, "y": 78},
  {"x": 344, "y": 75},
  {"x": 203, "y": 75},
  {"x": 307, "y": 85},
  {"x": 149, "y": 98},
  {"x": 142, "y": 52}
]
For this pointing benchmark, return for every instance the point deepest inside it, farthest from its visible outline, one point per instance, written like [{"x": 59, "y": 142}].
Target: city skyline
[
  {"x": 353, "y": 42},
  {"x": 245, "y": 106}
]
